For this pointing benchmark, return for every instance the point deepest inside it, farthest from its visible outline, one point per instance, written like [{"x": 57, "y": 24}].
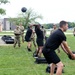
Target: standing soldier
[
  {"x": 44, "y": 33},
  {"x": 17, "y": 34},
  {"x": 54, "y": 28},
  {"x": 33, "y": 38},
  {"x": 22, "y": 32},
  {"x": 74, "y": 31}
]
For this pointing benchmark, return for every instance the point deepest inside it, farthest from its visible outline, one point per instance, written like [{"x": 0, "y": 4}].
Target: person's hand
[
  {"x": 34, "y": 24},
  {"x": 73, "y": 56}
]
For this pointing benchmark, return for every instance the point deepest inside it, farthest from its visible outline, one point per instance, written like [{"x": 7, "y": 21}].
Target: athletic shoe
[
  {"x": 36, "y": 56},
  {"x": 29, "y": 49}
]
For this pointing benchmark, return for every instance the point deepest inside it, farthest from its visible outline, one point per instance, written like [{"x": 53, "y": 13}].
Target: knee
[
  {"x": 40, "y": 51},
  {"x": 60, "y": 65}
]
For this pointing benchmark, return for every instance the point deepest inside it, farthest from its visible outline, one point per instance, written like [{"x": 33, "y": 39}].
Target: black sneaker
[
  {"x": 29, "y": 49},
  {"x": 14, "y": 46},
  {"x": 36, "y": 56},
  {"x": 19, "y": 46},
  {"x": 39, "y": 56}
]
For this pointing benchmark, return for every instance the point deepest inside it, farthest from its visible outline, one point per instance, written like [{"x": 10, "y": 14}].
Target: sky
[{"x": 53, "y": 11}]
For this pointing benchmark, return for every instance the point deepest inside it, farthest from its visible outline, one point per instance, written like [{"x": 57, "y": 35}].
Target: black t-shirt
[
  {"x": 39, "y": 33},
  {"x": 28, "y": 33},
  {"x": 55, "y": 40}
]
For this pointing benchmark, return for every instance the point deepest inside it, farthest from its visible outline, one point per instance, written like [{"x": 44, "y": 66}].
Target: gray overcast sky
[{"x": 52, "y": 11}]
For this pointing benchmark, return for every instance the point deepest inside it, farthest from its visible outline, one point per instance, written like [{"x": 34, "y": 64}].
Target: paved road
[{"x": 1, "y": 41}]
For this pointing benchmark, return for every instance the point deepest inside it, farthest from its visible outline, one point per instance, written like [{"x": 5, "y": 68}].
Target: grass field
[{"x": 19, "y": 61}]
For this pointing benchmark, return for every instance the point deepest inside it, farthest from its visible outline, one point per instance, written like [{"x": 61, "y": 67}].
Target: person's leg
[
  {"x": 34, "y": 42},
  {"x": 37, "y": 51},
  {"x": 22, "y": 38},
  {"x": 15, "y": 42},
  {"x": 52, "y": 69},
  {"x": 56, "y": 60},
  {"x": 40, "y": 51},
  {"x": 58, "y": 50},
  {"x": 29, "y": 46},
  {"x": 18, "y": 40},
  {"x": 59, "y": 68},
  {"x": 41, "y": 43}
]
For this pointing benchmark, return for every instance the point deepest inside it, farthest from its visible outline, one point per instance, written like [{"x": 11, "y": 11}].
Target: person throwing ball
[
  {"x": 53, "y": 42},
  {"x": 39, "y": 39}
]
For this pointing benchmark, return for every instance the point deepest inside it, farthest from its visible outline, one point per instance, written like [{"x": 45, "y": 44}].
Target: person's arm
[
  {"x": 73, "y": 32},
  {"x": 58, "y": 50},
  {"x": 33, "y": 25},
  {"x": 14, "y": 31},
  {"x": 23, "y": 28},
  {"x": 67, "y": 49},
  {"x": 64, "y": 49}
]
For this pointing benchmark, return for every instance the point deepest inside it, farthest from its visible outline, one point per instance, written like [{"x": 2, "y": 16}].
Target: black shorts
[
  {"x": 40, "y": 42},
  {"x": 27, "y": 39},
  {"x": 51, "y": 57}
]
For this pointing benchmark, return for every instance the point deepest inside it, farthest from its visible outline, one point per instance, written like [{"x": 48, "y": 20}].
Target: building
[
  {"x": 7, "y": 25},
  {"x": 1, "y": 25}
]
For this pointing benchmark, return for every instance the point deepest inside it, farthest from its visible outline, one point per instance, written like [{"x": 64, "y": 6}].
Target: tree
[
  {"x": 48, "y": 26},
  {"x": 3, "y": 11},
  {"x": 26, "y": 18}
]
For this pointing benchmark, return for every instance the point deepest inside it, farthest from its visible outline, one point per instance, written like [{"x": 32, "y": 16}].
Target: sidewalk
[{"x": 1, "y": 41}]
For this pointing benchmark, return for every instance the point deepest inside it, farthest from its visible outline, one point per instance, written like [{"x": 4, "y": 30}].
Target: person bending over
[{"x": 53, "y": 42}]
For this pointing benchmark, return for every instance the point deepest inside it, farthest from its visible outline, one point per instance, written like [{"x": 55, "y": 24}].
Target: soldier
[
  {"x": 22, "y": 32},
  {"x": 17, "y": 33},
  {"x": 44, "y": 33},
  {"x": 33, "y": 38},
  {"x": 74, "y": 31},
  {"x": 54, "y": 28}
]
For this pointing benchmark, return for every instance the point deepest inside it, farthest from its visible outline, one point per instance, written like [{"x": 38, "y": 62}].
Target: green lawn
[
  {"x": 69, "y": 31},
  {"x": 19, "y": 61}
]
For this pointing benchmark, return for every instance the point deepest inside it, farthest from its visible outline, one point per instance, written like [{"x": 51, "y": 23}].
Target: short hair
[
  {"x": 42, "y": 26},
  {"x": 63, "y": 23}
]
